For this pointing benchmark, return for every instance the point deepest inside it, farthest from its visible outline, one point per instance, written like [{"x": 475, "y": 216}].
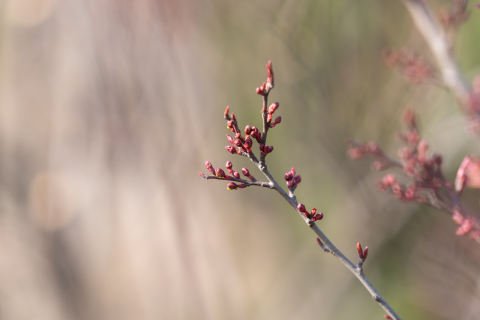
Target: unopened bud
[
  {"x": 290, "y": 184},
  {"x": 232, "y": 186},
  {"x": 230, "y": 139},
  {"x": 269, "y": 117},
  {"x": 360, "y": 251},
  {"x": 259, "y": 91},
  {"x": 273, "y": 107},
  {"x": 278, "y": 119},
  {"x": 297, "y": 179},
  {"x": 293, "y": 171},
  {"x": 226, "y": 111},
  {"x": 261, "y": 147},
  {"x": 245, "y": 172},
  {"x": 389, "y": 180},
  {"x": 461, "y": 179},
  {"x": 301, "y": 208},
  {"x": 387, "y": 317},
  {"x": 320, "y": 243},
  {"x": 238, "y": 143},
  {"x": 465, "y": 227},
  {"x": 229, "y": 165},
  {"x": 209, "y": 167},
  {"x": 236, "y": 174},
  {"x": 248, "y": 142},
  {"x": 288, "y": 176},
  {"x": 270, "y": 78},
  {"x": 365, "y": 253},
  {"x": 248, "y": 130},
  {"x": 231, "y": 149},
  {"x": 317, "y": 216},
  {"x": 220, "y": 173}
]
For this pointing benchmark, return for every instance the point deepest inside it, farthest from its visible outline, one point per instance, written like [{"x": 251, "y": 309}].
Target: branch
[
  {"x": 242, "y": 146},
  {"x": 438, "y": 42}
]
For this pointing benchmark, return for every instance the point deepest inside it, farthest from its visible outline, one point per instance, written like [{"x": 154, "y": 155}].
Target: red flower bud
[
  {"x": 230, "y": 124},
  {"x": 229, "y": 165},
  {"x": 270, "y": 78},
  {"x": 360, "y": 251},
  {"x": 261, "y": 147},
  {"x": 260, "y": 91},
  {"x": 269, "y": 117},
  {"x": 238, "y": 143},
  {"x": 231, "y": 149},
  {"x": 461, "y": 179},
  {"x": 301, "y": 208},
  {"x": 365, "y": 253},
  {"x": 297, "y": 179},
  {"x": 245, "y": 172},
  {"x": 230, "y": 139},
  {"x": 236, "y": 174},
  {"x": 233, "y": 117},
  {"x": 319, "y": 242},
  {"x": 387, "y": 317},
  {"x": 389, "y": 180},
  {"x": 209, "y": 167},
  {"x": 226, "y": 111},
  {"x": 270, "y": 149},
  {"x": 232, "y": 186},
  {"x": 288, "y": 176},
  {"x": 289, "y": 184},
  {"x": 248, "y": 142},
  {"x": 465, "y": 227},
  {"x": 318, "y": 216},
  {"x": 273, "y": 107},
  {"x": 278, "y": 119},
  {"x": 293, "y": 171},
  {"x": 248, "y": 130},
  {"x": 220, "y": 173}
]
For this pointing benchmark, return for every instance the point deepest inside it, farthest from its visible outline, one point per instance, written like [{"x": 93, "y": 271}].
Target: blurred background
[{"x": 108, "y": 110}]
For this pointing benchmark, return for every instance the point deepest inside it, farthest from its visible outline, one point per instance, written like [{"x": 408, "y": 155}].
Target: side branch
[
  {"x": 245, "y": 183},
  {"x": 428, "y": 26}
]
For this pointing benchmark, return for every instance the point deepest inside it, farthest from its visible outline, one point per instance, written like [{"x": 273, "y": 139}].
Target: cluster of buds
[
  {"x": 264, "y": 149},
  {"x": 467, "y": 225},
  {"x": 428, "y": 184},
  {"x": 265, "y": 88},
  {"x": 359, "y": 150},
  {"x": 412, "y": 66},
  {"x": 273, "y": 107},
  {"x": 313, "y": 216},
  {"x": 426, "y": 170},
  {"x": 292, "y": 179},
  {"x": 240, "y": 144},
  {"x": 219, "y": 173},
  {"x": 253, "y": 132},
  {"x": 407, "y": 194}
]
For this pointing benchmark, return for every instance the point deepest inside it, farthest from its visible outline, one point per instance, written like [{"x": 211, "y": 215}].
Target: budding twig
[{"x": 242, "y": 146}]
